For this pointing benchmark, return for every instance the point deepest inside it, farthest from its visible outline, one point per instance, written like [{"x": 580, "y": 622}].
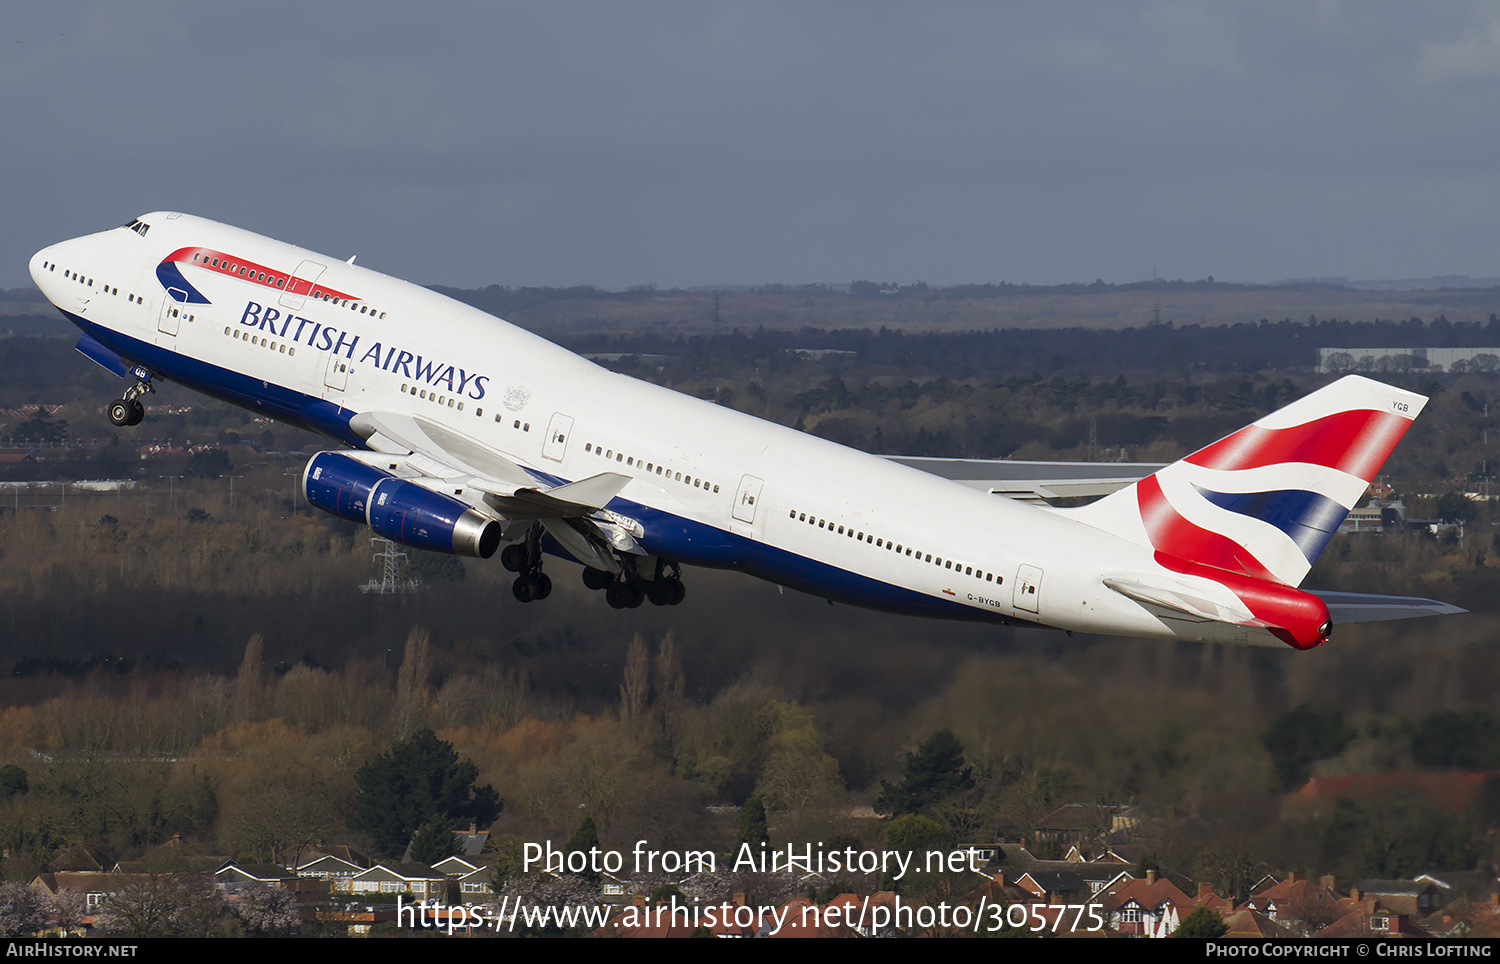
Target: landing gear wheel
[
  {"x": 679, "y": 592},
  {"x": 525, "y": 589},
  {"x": 623, "y": 595},
  {"x": 543, "y": 586},
  {"x": 128, "y": 409},
  {"x": 596, "y": 579},
  {"x": 659, "y": 593},
  {"x": 514, "y": 557}
]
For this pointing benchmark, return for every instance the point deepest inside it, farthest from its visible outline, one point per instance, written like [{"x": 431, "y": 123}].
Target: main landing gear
[
  {"x": 629, "y": 590},
  {"x": 525, "y": 558},
  {"x": 129, "y": 410},
  {"x": 626, "y": 591}
]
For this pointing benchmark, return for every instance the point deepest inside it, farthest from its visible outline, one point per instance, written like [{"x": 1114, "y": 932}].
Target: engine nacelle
[
  {"x": 415, "y": 515},
  {"x": 336, "y": 483},
  {"x": 399, "y": 509}
]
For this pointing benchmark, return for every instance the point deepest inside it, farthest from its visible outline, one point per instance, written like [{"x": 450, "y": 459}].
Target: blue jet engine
[{"x": 398, "y": 509}]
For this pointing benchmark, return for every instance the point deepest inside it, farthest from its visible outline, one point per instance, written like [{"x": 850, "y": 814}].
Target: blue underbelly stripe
[{"x": 666, "y": 534}]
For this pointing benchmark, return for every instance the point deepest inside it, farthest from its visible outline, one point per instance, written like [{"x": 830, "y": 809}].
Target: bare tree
[
  {"x": 250, "y": 683},
  {"x": 670, "y": 687},
  {"x": 272, "y": 818},
  {"x": 411, "y": 685},
  {"x": 636, "y": 688}
]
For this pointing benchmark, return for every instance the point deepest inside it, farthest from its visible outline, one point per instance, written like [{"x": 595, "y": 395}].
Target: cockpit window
[{"x": 139, "y": 227}]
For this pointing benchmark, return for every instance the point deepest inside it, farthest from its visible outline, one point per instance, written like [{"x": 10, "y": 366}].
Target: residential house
[
  {"x": 1143, "y": 904},
  {"x": 233, "y": 877},
  {"x": 1370, "y": 922},
  {"x": 337, "y": 872},
  {"x": 1414, "y": 898},
  {"x": 1298, "y": 901},
  {"x": 419, "y": 881}
]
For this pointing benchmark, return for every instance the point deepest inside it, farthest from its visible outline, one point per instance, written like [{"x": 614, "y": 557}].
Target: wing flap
[
  {"x": 578, "y": 543},
  {"x": 574, "y": 500}
]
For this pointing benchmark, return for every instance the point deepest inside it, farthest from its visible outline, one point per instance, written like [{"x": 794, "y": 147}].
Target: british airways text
[{"x": 325, "y": 338}]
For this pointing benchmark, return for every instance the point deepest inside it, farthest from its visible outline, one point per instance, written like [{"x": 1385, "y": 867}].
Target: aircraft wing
[
  {"x": 1036, "y": 482},
  {"x": 574, "y": 514},
  {"x": 514, "y": 490},
  {"x": 449, "y": 453},
  {"x": 1358, "y": 607}
]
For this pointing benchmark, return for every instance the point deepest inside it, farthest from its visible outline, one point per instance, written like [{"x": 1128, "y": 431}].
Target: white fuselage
[{"x": 315, "y": 341}]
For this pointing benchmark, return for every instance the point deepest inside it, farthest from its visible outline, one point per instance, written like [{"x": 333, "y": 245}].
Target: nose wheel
[
  {"x": 129, "y": 410},
  {"x": 126, "y": 411}
]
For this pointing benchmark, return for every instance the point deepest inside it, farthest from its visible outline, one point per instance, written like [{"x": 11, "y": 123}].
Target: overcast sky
[{"x": 703, "y": 143}]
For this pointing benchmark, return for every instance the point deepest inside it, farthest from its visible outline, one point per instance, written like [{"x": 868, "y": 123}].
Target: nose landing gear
[{"x": 129, "y": 410}]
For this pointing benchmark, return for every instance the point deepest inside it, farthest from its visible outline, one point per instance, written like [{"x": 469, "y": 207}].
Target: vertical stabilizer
[{"x": 1265, "y": 500}]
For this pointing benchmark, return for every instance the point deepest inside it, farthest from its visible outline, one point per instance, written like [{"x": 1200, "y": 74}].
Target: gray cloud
[{"x": 686, "y": 143}]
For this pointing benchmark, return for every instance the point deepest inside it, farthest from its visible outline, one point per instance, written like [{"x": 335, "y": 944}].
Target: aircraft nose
[
  {"x": 47, "y": 264},
  {"x": 44, "y": 271},
  {"x": 39, "y": 262}
]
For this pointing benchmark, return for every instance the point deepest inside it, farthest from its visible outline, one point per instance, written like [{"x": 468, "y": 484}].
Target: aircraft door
[
  {"x": 337, "y": 375},
  {"x": 746, "y": 497},
  {"x": 556, "y": 445},
  {"x": 300, "y": 285},
  {"x": 1028, "y": 588},
  {"x": 169, "y": 321}
]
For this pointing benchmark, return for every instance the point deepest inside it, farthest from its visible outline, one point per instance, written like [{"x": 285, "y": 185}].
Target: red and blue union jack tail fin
[{"x": 1264, "y": 501}]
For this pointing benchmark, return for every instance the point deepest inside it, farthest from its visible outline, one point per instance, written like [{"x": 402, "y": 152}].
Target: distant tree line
[{"x": 1168, "y": 347}]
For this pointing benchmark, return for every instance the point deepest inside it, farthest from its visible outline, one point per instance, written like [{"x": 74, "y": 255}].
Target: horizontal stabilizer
[
  {"x": 1036, "y": 482},
  {"x": 1357, "y": 607}
]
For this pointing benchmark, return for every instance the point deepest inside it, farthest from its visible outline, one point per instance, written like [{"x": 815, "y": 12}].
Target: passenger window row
[
  {"x": 82, "y": 279},
  {"x": 886, "y": 544},
  {"x": 651, "y": 468},
  {"x": 258, "y": 340},
  {"x": 452, "y": 401},
  {"x": 253, "y": 273}
]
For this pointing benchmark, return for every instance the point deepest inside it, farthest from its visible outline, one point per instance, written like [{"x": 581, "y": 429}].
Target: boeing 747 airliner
[{"x": 465, "y": 434}]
